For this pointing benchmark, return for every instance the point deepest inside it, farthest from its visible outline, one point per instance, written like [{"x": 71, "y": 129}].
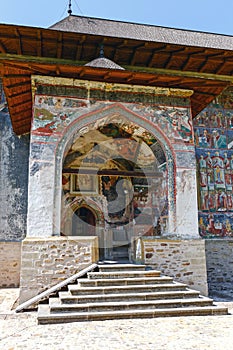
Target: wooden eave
[{"x": 27, "y": 50}]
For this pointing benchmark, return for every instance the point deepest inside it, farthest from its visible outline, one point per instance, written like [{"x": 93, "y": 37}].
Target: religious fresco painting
[
  {"x": 118, "y": 158},
  {"x": 213, "y": 131},
  {"x": 114, "y": 144}
]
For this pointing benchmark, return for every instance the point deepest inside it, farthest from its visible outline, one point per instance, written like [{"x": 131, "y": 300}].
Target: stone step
[
  {"x": 120, "y": 267},
  {"x": 45, "y": 317},
  {"x": 123, "y": 274},
  {"x": 56, "y": 305},
  {"x": 76, "y": 289},
  {"x": 68, "y": 298},
  {"x": 84, "y": 282},
  {"x": 120, "y": 291}
]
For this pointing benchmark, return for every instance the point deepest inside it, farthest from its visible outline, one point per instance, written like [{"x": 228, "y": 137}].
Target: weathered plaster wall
[
  {"x": 184, "y": 260},
  {"x": 14, "y": 153},
  {"x": 48, "y": 261},
  {"x": 219, "y": 260},
  {"x": 10, "y": 256}
]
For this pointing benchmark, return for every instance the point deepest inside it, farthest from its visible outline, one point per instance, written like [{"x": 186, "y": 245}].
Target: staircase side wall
[
  {"x": 48, "y": 261},
  {"x": 184, "y": 260},
  {"x": 219, "y": 259}
]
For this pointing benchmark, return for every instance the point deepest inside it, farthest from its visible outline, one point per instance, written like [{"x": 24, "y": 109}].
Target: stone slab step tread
[
  {"x": 123, "y": 274},
  {"x": 56, "y": 305},
  {"x": 45, "y": 317},
  {"x": 119, "y": 267},
  {"x": 76, "y": 289},
  {"x": 67, "y": 297},
  {"x": 123, "y": 281}
]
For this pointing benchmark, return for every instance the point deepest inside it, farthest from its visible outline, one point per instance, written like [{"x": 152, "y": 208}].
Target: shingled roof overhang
[{"x": 63, "y": 51}]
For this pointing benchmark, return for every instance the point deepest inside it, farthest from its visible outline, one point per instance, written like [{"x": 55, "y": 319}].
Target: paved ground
[{"x": 20, "y": 331}]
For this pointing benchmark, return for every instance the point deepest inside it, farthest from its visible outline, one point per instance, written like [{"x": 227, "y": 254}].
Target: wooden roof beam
[
  {"x": 17, "y": 33},
  {"x": 25, "y": 102},
  {"x": 16, "y": 76},
  {"x": 131, "y": 78},
  {"x": 59, "y": 45},
  {"x": 117, "y": 47},
  {"x": 82, "y": 73},
  {"x": 133, "y": 58},
  {"x": 221, "y": 67},
  {"x": 190, "y": 55},
  {"x": 107, "y": 75},
  {"x": 21, "y": 120},
  {"x": 176, "y": 83},
  {"x": 153, "y": 80},
  {"x": 155, "y": 51},
  {"x": 203, "y": 65},
  {"x": 135, "y": 51},
  {"x": 206, "y": 61},
  {"x": 122, "y": 44},
  {"x": 38, "y": 70},
  {"x": 21, "y": 94},
  {"x": 16, "y": 85},
  {"x": 58, "y": 70},
  {"x": 2, "y": 48},
  {"x": 80, "y": 47},
  {"x": 170, "y": 58},
  {"x": 17, "y": 66},
  {"x": 39, "y": 43}
]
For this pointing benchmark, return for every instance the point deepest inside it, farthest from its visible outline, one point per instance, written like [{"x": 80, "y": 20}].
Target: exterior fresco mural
[
  {"x": 57, "y": 109},
  {"x": 121, "y": 146},
  {"x": 213, "y": 133},
  {"x": 50, "y": 118}
]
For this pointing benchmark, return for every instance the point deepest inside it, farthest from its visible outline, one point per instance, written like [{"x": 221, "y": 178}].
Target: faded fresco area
[{"x": 214, "y": 151}]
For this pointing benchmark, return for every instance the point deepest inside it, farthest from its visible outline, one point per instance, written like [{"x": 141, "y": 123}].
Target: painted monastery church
[{"x": 116, "y": 143}]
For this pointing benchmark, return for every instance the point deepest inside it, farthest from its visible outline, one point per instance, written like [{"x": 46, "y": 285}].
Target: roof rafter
[
  {"x": 154, "y": 52},
  {"x": 79, "y": 48},
  {"x": 2, "y": 48},
  {"x": 17, "y": 33},
  {"x": 39, "y": 42},
  {"x": 59, "y": 45}
]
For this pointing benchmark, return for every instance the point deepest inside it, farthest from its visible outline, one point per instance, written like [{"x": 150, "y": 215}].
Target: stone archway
[
  {"x": 116, "y": 112},
  {"x": 123, "y": 168}
]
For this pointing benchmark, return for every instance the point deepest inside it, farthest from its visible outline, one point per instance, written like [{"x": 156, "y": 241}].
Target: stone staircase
[{"x": 119, "y": 291}]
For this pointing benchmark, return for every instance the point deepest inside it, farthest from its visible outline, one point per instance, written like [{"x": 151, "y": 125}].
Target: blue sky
[{"x": 203, "y": 15}]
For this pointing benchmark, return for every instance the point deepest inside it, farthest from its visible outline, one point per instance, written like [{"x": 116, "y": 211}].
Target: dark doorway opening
[{"x": 83, "y": 222}]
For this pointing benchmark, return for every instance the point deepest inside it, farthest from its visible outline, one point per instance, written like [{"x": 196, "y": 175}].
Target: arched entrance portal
[
  {"x": 120, "y": 168},
  {"x": 83, "y": 222}
]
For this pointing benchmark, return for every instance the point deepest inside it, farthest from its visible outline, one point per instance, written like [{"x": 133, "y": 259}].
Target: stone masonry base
[
  {"x": 219, "y": 259},
  {"x": 48, "y": 261},
  {"x": 184, "y": 260},
  {"x": 10, "y": 256}
]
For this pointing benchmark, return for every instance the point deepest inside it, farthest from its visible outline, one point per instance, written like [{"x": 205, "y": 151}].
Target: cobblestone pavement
[{"x": 20, "y": 331}]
